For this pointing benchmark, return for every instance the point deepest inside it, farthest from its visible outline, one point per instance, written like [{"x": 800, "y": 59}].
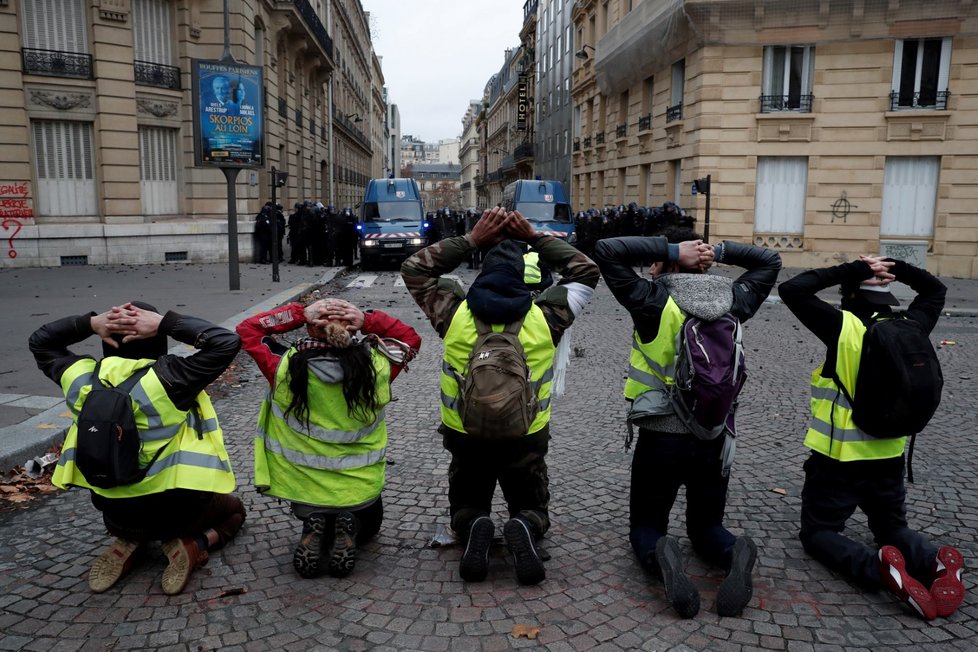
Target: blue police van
[
  {"x": 391, "y": 223},
  {"x": 544, "y": 204}
]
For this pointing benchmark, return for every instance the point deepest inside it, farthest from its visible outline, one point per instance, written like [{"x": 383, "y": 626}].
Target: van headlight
[
  {"x": 369, "y": 243},
  {"x": 416, "y": 241}
]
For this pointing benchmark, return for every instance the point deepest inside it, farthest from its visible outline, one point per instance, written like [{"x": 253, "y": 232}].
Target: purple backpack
[{"x": 710, "y": 372}]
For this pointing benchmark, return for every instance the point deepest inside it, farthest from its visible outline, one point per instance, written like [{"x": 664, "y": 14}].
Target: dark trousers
[
  {"x": 171, "y": 514},
  {"x": 832, "y": 492},
  {"x": 520, "y": 468},
  {"x": 368, "y": 520},
  {"x": 664, "y": 462}
]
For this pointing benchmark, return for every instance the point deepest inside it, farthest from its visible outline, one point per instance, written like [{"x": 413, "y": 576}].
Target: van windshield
[
  {"x": 544, "y": 212},
  {"x": 392, "y": 211}
]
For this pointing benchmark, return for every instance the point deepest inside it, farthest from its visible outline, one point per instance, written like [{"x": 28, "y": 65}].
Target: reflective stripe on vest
[
  {"x": 652, "y": 365},
  {"x": 832, "y": 431},
  {"x": 459, "y": 341},
  {"x": 193, "y": 454},
  {"x": 339, "y": 460}
]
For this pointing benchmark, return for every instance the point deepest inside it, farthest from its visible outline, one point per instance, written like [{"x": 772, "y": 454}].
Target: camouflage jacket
[{"x": 439, "y": 296}]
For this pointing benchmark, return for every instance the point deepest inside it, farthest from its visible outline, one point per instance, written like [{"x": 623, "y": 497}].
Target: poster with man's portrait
[{"x": 227, "y": 114}]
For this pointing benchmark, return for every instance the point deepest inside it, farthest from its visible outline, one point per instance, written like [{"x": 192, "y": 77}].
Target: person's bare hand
[
  {"x": 881, "y": 270},
  {"x": 695, "y": 255},
  {"x": 133, "y": 322},
  {"x": 105, "y": 329},
  {"x": 490, "y": 229},
  {"x": 519, "y": 228},
  {"x": 346, "y": 312}
]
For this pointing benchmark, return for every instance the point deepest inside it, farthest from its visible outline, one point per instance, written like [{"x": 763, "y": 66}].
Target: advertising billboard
[{"x": 228, "y": 114}]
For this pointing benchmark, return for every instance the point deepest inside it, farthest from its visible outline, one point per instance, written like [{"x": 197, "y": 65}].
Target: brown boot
[
  {"x": 109, "y": 567},
  {"x": 185, "y": 557}
]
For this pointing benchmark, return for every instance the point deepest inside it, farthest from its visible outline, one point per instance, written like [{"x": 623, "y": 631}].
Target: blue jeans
[{"x": 664, "y": 462}]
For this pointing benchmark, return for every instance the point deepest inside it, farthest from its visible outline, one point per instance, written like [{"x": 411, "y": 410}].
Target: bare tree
[{"x": 407, "y": 172}]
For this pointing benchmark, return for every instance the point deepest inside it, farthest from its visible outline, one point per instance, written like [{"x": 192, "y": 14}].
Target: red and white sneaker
[
  {"x": 893, "y": 573},
  {"x": 948, "y": 588}
]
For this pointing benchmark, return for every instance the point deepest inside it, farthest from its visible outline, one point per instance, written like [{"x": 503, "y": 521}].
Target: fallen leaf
[{"x": 525, "y": 630}]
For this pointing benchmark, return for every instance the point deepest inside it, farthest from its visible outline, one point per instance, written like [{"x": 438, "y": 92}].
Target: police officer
[{"x": 263, "y": 234}]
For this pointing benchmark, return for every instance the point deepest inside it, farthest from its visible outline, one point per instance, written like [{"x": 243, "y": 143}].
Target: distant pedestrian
[
  {"x": 185, "y": 498},
  {"x": 668, "y": 455},
  {"x": 499, "y": 300},
  {"x": 322, "y": 431},
  {"x": 849, "y": 468}
]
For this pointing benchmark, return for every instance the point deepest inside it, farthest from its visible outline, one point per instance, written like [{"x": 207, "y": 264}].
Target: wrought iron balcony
[
  {"x": 599, "y": 138},
  {"x": 148, "y": 73},
  {"x": 529, "y": 9},
  {"x": 523, "y": 151},
  {"x": 645, "y": 122},
  {"x": 775, "y": 103},
  {"x": 587, "y": 142},
  {"x": 919, "y": 100},
  {"x": 621, "y": 131},
  {"x": 674, "y": 113},
  {"x": 56, "y": 63},
  {"x": 315, "y": 25}
]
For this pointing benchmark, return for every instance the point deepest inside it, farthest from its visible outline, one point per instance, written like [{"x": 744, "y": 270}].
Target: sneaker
[
  {"x": 948, "y": 588},
  {"x": 185, "y": 556},
  {"x": 737, "y": 588},
  {"x": 475, "y": 560},
  {"x": 893, "y": 573},
  {"x": 109, "y": 567},
  {"x": 519, "y": 540},
  {"x": 343, "y": 552},
  {"x": 680, "y": 592},
  {"x": 306, "y": 557}
]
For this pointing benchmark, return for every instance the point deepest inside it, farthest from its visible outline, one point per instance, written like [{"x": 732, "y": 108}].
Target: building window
[
  {"x": 675, "y": 110},
  {"x": 55, "y": 38},
  {"x": 920, "y": 73},
  {"x": 64, "y": 163},
  {"x": 787, "y": 84},
  {"x": 158, "y": 170},
  {"x": 153, "y": 44},
  {"x": 779, "y": 200},
  {"x": 909, "y": 195}
]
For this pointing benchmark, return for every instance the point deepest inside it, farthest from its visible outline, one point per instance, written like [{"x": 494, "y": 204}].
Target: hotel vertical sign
[{"x": 522, "y": 98}]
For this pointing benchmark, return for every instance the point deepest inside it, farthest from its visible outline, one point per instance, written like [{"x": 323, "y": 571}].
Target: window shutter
[
  {"x": 151, "y": 31},
  {"x": 909, "y": 195},
  {"x": 56, "y": 25}
]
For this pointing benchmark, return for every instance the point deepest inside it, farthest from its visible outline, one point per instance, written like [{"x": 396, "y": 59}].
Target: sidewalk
[{"x": 32, "y": 412}]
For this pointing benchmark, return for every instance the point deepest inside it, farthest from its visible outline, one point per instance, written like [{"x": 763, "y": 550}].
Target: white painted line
[{"x": 362, "y": 281}]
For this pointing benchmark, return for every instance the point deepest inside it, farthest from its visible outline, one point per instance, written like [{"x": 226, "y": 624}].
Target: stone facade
[
  {"x": 469, "y": 154},
  {"x": 110, "y": 118},
  {"x": 826, "y": 134}
]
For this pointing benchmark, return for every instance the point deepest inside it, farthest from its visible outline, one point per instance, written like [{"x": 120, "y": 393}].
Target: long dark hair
[{"x": 359, "y": 381}]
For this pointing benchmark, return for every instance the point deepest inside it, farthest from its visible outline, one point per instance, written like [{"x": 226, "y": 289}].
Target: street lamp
[
  {"x": 355, "y": 117},
  {"x": 582, "y": 53}
]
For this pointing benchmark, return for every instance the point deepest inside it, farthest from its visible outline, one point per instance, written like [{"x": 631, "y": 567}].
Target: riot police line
[{"x": 317, "y": 235}]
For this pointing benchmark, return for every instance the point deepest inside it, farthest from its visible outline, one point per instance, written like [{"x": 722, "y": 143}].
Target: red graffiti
[
  {"x": 8, "y": 224},
  {"x": 15, "y": 189}
]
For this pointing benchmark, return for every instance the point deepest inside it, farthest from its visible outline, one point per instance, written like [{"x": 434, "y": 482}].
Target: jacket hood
[
  {"x": 327, "y": 368},
  {"x": 707, "y": 296}
]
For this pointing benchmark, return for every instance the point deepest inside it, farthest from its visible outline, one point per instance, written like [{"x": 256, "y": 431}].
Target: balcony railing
[
  {"x": 529, "y": 9},
  {"x": 148, "y": 73},
  {"x": 621, "y": 131},
  {"x": 523, "y": 151},
  {"x": 56, "y": 63},
  {"x": 645, "y": 122},
  {"x": 587, "y": 142},
  {"x": 599, "y": 138},
  {"x": 674, "y": 113},
  {"x": 775, "y": 103},
  {"x": 926, "y": 100},
  {"x": 315, "y": 25}
]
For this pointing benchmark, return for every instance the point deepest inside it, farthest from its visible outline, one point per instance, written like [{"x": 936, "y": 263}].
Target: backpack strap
[
  {"x": 130, "y": 382},
  {"x": 513, "y": 328}
]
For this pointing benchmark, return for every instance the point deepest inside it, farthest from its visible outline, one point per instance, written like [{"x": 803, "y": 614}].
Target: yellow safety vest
[
  {"x": 832, "y": 431},
  {"x": 531, "y": 268},
  {"x": 193, "y": 454},
  {"x": 459, "y": 341},
  {"x": 652, "y": 365},
  {"x": 339, "y": 461}
]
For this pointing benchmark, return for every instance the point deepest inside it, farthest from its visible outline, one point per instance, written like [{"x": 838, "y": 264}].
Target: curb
[{"x": 36, "y": 435}]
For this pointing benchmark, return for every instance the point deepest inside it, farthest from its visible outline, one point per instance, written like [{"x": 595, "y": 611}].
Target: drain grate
[{"x": 74, "y": 261}]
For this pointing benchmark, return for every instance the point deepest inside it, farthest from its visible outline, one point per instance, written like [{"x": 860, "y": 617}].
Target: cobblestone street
[{"x": 406, "y": 595}]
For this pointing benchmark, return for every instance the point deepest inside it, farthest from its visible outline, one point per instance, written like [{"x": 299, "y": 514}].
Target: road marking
[{"x": 362, "y": 281}]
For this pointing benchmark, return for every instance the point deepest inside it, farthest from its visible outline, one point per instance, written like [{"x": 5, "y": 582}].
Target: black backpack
[
  {"x": 107, "y": 448},
  {"x": 900, "y": 380}
]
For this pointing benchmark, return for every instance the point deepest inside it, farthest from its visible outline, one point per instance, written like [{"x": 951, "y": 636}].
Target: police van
[
  {"x": 391, "y": 223},
  {"x": 544, "y": 204}
]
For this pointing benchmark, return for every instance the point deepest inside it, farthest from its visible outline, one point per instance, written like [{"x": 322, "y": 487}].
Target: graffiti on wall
[{"x": 15, "y": 206}]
